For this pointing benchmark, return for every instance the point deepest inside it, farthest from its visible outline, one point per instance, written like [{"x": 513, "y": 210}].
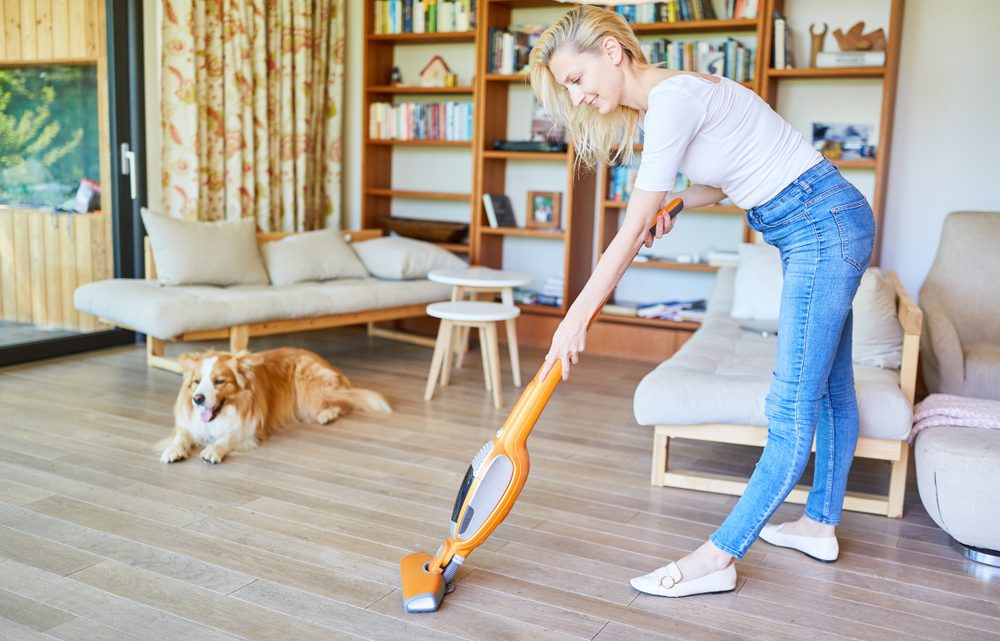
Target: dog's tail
[{"x": 369, "y": 400}]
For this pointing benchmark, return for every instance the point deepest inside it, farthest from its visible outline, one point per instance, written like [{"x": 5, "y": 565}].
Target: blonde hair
[{"x": 597, "y": 138}]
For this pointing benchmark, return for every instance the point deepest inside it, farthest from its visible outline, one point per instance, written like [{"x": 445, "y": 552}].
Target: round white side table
[{"x": 474, "y": 280}]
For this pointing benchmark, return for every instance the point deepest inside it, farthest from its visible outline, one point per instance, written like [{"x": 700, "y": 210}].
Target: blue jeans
[{"x": 825, "y": 231}]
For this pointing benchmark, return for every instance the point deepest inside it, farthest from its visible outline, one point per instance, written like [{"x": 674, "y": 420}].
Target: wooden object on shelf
[
  {"x": 816, "y": 42},
  {"x": 855, "y": 40},
  {"x": 434, "y": 231}
]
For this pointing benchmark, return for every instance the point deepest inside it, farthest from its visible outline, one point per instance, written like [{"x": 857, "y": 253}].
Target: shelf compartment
[
  {"x": 424, "y": 38},
  {"x": 648, "y": 322},
  {"x": 828, "y": 72},
  {"x": 683, "y": 267},
  {"x": 415, "y": 89},
  {"x": 420, "y": 195},
  {"x": 419, "y": 143},
  {"x": 560, "y": 156},
  {"x": 522, "y": 232},
  {"x": 738, "y": 24}
]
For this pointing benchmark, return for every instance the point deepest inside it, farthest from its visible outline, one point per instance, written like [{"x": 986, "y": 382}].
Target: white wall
[
  {"x": 946, "y": 127},
  {"x": 947, "y": 130}
]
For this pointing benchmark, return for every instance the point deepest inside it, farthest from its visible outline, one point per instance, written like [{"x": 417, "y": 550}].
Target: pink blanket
[{"x": 940, "y": 410}]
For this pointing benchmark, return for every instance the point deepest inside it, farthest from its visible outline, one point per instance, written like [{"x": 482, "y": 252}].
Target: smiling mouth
[{"x": 208, "y": 414}]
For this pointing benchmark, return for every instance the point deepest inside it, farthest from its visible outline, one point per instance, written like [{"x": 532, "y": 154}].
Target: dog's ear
[
  {"x": 243, "y": 364},
  {"x": 189, "y": 361}
]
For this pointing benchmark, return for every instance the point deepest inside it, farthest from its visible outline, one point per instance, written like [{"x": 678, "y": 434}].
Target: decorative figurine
[{"x": 817, "y": 43}]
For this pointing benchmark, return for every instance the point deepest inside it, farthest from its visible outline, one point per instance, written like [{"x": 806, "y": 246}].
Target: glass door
[{"x": 70, "y": 109}]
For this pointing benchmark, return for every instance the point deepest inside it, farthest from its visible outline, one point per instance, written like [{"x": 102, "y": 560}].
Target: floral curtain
[{"x": 252, "y": 94}]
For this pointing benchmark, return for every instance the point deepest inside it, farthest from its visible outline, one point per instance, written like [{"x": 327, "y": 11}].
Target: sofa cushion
[
  {"x": 722, "y": 375},
  {"x": 757, "y": 285},
  {"x": 877, "y": 337},
  {"x": 166, "y": 312},
  {"x": 399, "y": 258},
  {"x": 204, "y": 253},
  {"x": 313, "y": 255}
]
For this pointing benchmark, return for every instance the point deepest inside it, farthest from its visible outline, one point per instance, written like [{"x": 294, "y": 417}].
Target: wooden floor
[{"x": 301, "y": 539}]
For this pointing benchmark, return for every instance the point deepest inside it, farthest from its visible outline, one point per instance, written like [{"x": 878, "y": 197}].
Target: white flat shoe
[
  {"x": 667, "y": 581},
  {"x": 821, "y": 548}
]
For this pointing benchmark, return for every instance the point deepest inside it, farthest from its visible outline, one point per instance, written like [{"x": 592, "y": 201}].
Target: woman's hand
[
  {"x": 664, "y": 224},
  {"x": 568, "y": 342}
]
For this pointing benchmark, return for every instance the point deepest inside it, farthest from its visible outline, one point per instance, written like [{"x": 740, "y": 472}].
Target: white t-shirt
[{"x": 719, "y": 134}]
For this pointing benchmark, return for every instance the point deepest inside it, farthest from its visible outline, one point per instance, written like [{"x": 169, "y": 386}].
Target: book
[
  {"x": 499, "y": 211},
  {"x": 850, "y": 59},
  {"x": 621, "y": 309}
]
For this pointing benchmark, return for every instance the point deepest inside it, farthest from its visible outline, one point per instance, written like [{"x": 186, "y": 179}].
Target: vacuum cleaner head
[{"x": 423, "y": 589}]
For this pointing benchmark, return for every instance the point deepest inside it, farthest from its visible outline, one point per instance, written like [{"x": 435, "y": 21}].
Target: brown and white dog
[{"x": 233, "y": 401}]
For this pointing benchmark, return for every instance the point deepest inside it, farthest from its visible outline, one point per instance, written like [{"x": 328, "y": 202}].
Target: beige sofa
[
  {"x": 193, "y": 312},
  {"x": 713, "y": 389}
]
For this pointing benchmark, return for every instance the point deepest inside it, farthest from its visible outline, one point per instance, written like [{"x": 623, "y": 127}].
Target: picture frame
[{"x": 544, "y": 210}]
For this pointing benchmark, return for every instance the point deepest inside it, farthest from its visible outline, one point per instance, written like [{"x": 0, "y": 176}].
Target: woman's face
[{"x": 593, "y": 80}]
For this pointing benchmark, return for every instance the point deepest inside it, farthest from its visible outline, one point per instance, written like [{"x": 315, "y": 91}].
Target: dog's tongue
[{"x": 205, "y": 414}]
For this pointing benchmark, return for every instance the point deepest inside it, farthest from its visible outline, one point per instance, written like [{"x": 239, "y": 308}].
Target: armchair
[{"x": 960, "y": 343}]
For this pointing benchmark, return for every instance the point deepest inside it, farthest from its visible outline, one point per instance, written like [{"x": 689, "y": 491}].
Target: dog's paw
[
  {"x": 173, "y": 454},
  {"x": 328, "y": 415},
  {"x": 212, "y": 454}
]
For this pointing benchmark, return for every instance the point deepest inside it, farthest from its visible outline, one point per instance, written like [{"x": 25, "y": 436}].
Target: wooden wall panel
[
  {"x": 60, "y": 29},
  {"x": 44, "y": 256},
  {"x": 12, "y": 29},
  {"x": 51, "y": 30}
]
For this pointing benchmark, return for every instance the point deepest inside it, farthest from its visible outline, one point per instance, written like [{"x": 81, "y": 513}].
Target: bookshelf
[
  {"x": 869, "y": 173},
  {"x": 388, "y": 189},
  {"x": 663, "y": 275},
  {"x": 500, "y": 102},
  {"x": 589, "y": 216}
]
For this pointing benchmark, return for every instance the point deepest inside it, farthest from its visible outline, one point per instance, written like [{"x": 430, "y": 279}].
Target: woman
[{"x": 590, "y": 74}]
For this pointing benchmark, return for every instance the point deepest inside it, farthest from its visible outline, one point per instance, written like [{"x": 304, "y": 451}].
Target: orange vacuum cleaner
[{"x": 488, "y": 491}]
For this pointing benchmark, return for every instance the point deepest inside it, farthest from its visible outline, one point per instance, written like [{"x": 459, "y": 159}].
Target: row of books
[
  {"x": 730, "y": 58},
  {"x": 420, "y": 121},
  {"x": 511, "y": 47},
  {"x": 683, "y": 10},
  {"x": 677, "y": 310},
  {"x": 622, "y": 180},
  {"x": 424, "y": 16},
  {"x": 532, "y": 297}
]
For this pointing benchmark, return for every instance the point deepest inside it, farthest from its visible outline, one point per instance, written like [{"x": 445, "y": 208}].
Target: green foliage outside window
[{"x": 48, "y": 134}]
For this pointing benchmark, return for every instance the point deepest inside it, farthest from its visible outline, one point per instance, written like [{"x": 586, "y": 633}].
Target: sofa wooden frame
[
  {"x": 239, "y": 335},
  {"x": 896, "y": 452}
]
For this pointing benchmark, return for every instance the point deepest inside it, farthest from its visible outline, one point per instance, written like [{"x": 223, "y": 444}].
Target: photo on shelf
[
  {"x": 543, "y": 209},
  {"x": 840, "y": 141}
]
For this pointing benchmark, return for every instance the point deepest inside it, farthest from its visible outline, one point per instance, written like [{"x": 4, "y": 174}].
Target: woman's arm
[
  {"x": 570, "y": 337},
  {"x": 698, "y": 196}
]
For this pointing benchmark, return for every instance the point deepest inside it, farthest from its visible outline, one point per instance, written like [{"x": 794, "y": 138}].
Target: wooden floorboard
[{"x": 301, "y": 538}]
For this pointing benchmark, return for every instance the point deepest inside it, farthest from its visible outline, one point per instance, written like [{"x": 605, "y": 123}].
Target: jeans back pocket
[{"x": 856, "y": 225}]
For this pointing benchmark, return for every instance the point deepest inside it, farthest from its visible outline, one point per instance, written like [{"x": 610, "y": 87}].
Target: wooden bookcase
[
  {"x": 610, "y": 212},
  {"x": 493, "y": 94},
  {"x": 887, "y": 76},
  {"x": 378, "y": 191},
  {"x": 589, "y": 218}
]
